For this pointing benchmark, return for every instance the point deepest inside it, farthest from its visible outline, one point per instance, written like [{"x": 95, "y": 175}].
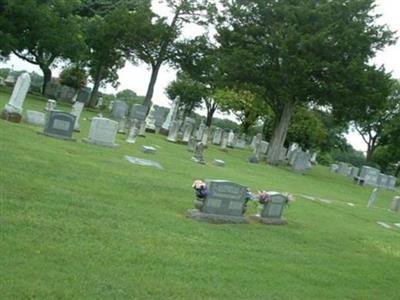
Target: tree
[
  {"x": 40, "y": 31},
  {"x": 73, "y": 76},
  {"x": 190, "y": 93},
  {"x": 380, "y": 108},
  {"x": 199, "y": 59},
  {"x": 157, "y": 44},
  {"x": 130, "y": 97},
  {"x": 105, "y": 33},
  {"x": 298, "y": 52}
]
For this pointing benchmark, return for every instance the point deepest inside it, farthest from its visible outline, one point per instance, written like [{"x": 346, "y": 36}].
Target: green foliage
[
  {"x": 129, "y": 96},
  {"x": 351, "y": 156},
  {"x": 40, "y": 31},
  {"x": 73, "y": 76},
  {"x": 325, "y": 159},
  {"x": 190, "y": 92},
  {"x": 307, "y": 129}
]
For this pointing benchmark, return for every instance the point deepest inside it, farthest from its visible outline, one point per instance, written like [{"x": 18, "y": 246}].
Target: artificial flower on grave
[{"x": 200, "y": 188}]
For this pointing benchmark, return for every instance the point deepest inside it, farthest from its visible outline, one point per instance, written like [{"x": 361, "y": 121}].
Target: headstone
[
  {"x": 59, "y": 125},
  {"x": 282, "y": 155},
  {"x": 382, "y": 180},
  {"x": 122, "y": 125},
  {"x": 217, "y": 136},
  {"x": 133, "y": 132},
  {"x": 313, "y": 159},
  {"x": 100, "y": 102},
  {"x": 35, "y": 118},
  {"x": 271, "y": 212},
  {"x": 354, "y": 172},
  {"x": 231, "y": 139},
  {"x": 83, "y": 96},
  {"x": 391, "y": 182},
  {"x": 173, "y": 132},
  {"x": 50, "y": 105},
  {"x": 255, "y": 158},
  {"x": 187, "y": 133},
  {"x": 218, "y": 162},
  {"x": 138, "y": 112},
  {"x": 171, "y": 116},
  {"x": 372, "y": 198},
  {"x": 368, "y": 176},
  {"x": 334, "y": 168},
  {"x": 199, "y": 132},
  {"x": 224, "y": 203},
  {"x": 256, "y": 140},
  {"x": 241, "y": 143},
  {"x": 143, "y": 162},
  {"x": 300, "y": 163},
  {"x": 102, "y": 132},
  {"x": 77, "y": 108},
  {"x": 142, "y": 129},
  {"x": 191, "y": 144},
  {"x": 395, "y": 204},
  {"x": 224, "y": 142},
  {"x": 10, "y": 80},
  {"x": 198, "y": 153},
  {"x": 263, "y": 147},
  {"x": 204, "y": 138},
  {"x": 2, "y": 83},
  {"x": 119, "y": 110},
  {"x": 343, "y": 169},
  {"x": 111, "y": 105},
  {"x": 148, "y": 149},
  {"x": 13, "y": 109},
  {"x": 67, "y": 94}
]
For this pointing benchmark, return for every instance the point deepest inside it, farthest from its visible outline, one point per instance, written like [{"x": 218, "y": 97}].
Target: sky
[{"x": 137, "y": 77}]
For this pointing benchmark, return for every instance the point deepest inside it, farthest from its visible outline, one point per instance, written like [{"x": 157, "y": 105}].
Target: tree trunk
[
  {"x": 150, "y": 89},
  {"x": 279, "y": 133},
  {"x": 210, "y": 114},
  {"x": 97, "y": 81},
  {"x": 46, "y": 77}
]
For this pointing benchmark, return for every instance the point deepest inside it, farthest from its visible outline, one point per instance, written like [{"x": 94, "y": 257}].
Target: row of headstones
[
  {"x": 226, "y": 202},
  {"x": 395, "y": 205},
  {"x": 366, "y": 176}
]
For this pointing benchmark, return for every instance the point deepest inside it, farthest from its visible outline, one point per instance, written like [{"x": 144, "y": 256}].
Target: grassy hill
[{"x": 77, "y": 221}]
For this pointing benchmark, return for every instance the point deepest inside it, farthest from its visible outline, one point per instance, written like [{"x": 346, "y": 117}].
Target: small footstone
[
  {"x": 218, "y": 162},
  {"x": 383, "y": 224},
  {"x": 148, "y": 149}
]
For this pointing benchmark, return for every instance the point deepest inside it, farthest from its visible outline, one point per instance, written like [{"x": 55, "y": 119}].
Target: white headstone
[
  {"x": 35, "y": 118},
  {"x": 173, "y": 132},
  {"x": 103, "y": 132},
  {"x": 18, "y": 95},
  {"x": 133, "y": 132},
  {"x": 50, "y": 105},
  {"x": 76, "y": 111},
  {"x": 372, "y": 198},
  {"x": 171, "y": 115},
  {"x": 231, "y": 139}
]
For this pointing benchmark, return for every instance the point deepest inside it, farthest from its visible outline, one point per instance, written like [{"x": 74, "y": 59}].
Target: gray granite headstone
[
  {"x": 83, "y": 96},
  {"x": 334, "y": 168},
  {"x": 395, "y": 204},
  {"x": 138, "y": 112},
  {"x": 119, "y": 110},
  {"x": 372, "y": 198},
  {"x": 368, "y": 176},
  {"x": 382, "y": 180},
  {"x": 60, "y": 125},
  {"x": 391, "y": 183},
  {"x": 133, "y": 132},
  {"x": 271, "y": 212},
  {"x": 301, "y": 162},
  {"x": 148, "y": 149},
  {"x": 18, "y": 95},
  {"x": 173, "y": 131},
  {"x": 224, "y": 142},
  {"x": 198, "y": 153}
]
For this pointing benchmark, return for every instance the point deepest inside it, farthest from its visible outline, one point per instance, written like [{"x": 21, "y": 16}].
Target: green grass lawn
[{"x": 77, "y": 221}]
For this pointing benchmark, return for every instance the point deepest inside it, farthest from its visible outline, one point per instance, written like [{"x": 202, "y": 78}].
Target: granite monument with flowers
[{"x": 219, "y": 201}]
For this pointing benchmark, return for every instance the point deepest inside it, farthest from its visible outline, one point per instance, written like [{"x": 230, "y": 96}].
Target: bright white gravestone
[
  {"x": 171, "y": 116},
  {"x": 76, "y": 111},
  {"x": 36, "y": 118},
  {"x": 18, "y": 95},
  {"x": 103, "y": 132},
  {"x": 173, "y": 132}
]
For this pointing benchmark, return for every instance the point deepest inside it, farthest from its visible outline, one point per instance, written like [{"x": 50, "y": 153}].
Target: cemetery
[{"x": 132, "y": 209}]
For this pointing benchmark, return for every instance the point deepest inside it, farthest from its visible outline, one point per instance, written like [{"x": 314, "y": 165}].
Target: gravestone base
[
  {"x": 111, "y": 145},
  {"x": 163, "y": 131},
  {"x": 268, "y": 221},
  {"x": 11, "y": 116},
  {"x": 202, "y": 162},
  {"x": 150, "y": 130},
  {"x": 60, "y": 137},
  {"x": 213, "y": 218}
]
